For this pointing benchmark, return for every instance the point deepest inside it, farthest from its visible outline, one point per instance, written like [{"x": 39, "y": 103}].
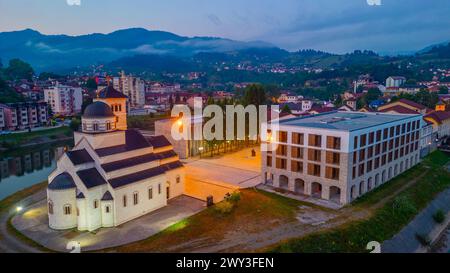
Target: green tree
[
  {"x": 75, "y": 124},
  {"x": 443, "y": 90},
  {"x": 254, "y": 94},
  {"x": 18, "y": 70},
  {"x": 286, "y": 109},
  {"x": 91, "y": 84},
  {"x": 8, "y": 94}
]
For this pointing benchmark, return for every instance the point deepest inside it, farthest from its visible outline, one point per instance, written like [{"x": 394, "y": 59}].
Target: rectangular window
[
  {"x": 371, "y": 138},
  {"x": 124, "y": 200},
  {"x": 297, "y": 139},
  {"x": 363, "y": 141},
  {"x": 297, "y": 166},
  {"x": 159, "y": 189},
  {"x": 333, "y": 143},
  {"x": 269, "y": 161},
  {"x": 282, "y": 136},
  {"x": 369, "y": 166},
  {"x": 314, "y": 169},
  {"x": 150, "y": 193},
  {"x": 332, "y": 173},
  {"x": 333, "y": 158},
  {"x": 135, "y": 198},
  {"x": 378, "y": 135},
  {"x": 314, "y": 155},
  {"x": 297, "y": 152},
  {"x": 282, "y": 150},
  {"x": 281, "y": 163},
  {"x": 355, "y": 142},
  {"x": 315, "y": 140},
  {"x": 361, "y": 170}
]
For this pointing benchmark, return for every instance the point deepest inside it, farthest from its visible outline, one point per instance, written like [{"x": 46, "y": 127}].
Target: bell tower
[{"x": 117, "y": 102}]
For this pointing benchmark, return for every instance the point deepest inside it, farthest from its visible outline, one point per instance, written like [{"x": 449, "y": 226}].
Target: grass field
[
  {"x": 430, "y": 178},
  {"x": 253, "y": 212}
]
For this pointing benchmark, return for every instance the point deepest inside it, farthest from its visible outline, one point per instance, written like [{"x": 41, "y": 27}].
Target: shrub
[
  {"x": 423, "y": 239},
  {"x": 224, "y": 207},
  {"x": 234, "y": 198},
  {"x": 439, "y": 216},
  {"x": 403, "y": 207}
]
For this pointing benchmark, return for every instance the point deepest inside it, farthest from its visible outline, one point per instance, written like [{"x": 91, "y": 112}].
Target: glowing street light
[{"x": 19, "y": 209}]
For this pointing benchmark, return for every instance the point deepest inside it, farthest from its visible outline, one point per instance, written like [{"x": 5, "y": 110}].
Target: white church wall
[
  {"x": 94, "y": 214},
  {"x": 107, "y": 214},
  {"x": 82, "y": 216},
  {"x": 176, "y": 189},
  {"x": 145, "y": 204},
  {"x": 60, "y": 198}
]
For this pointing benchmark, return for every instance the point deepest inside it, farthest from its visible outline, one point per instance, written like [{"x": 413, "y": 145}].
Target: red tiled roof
[
  {"x": 439, "y": 116},
  {"x": 413, "y": 104},
  {"x": 399, "y": 109}
]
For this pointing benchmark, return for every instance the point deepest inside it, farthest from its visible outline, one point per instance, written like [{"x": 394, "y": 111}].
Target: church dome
[
  {"x": 98, "y": 109},
  {"x": 62, "y": 182}
]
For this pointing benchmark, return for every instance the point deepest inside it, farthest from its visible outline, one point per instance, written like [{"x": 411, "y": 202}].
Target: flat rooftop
[{"x": 345, "y": 121}]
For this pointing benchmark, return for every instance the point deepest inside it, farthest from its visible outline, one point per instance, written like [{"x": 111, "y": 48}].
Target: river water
[{"x": 22, "y": 168}]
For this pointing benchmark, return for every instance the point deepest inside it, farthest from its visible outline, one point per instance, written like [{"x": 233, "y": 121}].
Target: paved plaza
[
  {"x": 237, "y": 168},
  {"x": 33, "y": 223}
]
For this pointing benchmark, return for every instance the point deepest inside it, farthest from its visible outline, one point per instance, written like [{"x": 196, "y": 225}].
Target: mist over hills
[{"x": 139, "y": 49}]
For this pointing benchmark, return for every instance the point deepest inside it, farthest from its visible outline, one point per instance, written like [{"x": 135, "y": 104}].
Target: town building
[
  {"x": 404, "y": 106},
  {"x": 395, "y": 81},
  {"x": 132, "y": 87},
  {"x": 23, "y": 115},
  {"x": 340, "y": 156},
  {"x": 113, "y": 174},
  {"x": 64, "y": 100}
]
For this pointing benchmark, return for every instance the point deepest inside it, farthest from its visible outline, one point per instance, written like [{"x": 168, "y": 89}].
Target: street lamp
[{"x": 19, "y": 209}]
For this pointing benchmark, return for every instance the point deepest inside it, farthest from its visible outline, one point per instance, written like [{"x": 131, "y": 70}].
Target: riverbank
[{"x": 29, "y": 139}]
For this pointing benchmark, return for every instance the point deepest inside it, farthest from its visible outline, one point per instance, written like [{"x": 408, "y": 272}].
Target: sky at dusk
[{"x": 332, "y": 25}]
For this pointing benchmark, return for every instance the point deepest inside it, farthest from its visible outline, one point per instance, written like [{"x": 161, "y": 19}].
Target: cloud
[
  {"x": 73, "y": 2},
  {"x": 214, "y": 19}
]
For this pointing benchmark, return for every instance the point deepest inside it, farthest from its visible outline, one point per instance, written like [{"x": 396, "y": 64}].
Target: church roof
[
  {"x": 107, "y": 196},
  {"x": 110, "y": 92},
  {"x": 130, "y": 162},
  {"x": 98, "y": 109},
  {"x": 79, "y": 157},
  {"x": 158, "y": 141},
  {"x": 62, "y": 181},
  {"x": 80, "y": 196},
  {"x": 139, "y": 176},
  {"x": 91, "y": 178},
  {"x": 133, "y": 140}
]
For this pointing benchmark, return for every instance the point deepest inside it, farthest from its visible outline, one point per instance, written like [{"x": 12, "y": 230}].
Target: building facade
[
  {"x": 63, "y": 99},
  {"x": 340, "y": 156},
  {"x": 395, "y": 81},
  {"x": 132, "y": 87},
  {"x": 112, "y": 175},
  {"x": 24, "y": 115}
]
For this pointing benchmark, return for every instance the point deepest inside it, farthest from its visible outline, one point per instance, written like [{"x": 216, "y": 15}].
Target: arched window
[
  {"x": 95, "y": 203},
  {"x": 178, "y": 179},
  {"x": 107, "y": 209},
  {"x": 50, "y": 207},
  {"x": 150, "y": 193},
  {"x": 67, "y": 209},
  {"x": 124, "y": 201},
  {"x": 135, "y": 198}
]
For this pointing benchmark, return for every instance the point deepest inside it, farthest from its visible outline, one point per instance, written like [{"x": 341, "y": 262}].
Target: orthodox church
[{"x": 113, "y": 174}]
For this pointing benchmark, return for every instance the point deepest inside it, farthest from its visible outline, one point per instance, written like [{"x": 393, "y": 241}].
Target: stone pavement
[
  {"x": 238, "y": 168},
  {"x": 33, "y": 223},
  {"x": 405, "y": 241}
]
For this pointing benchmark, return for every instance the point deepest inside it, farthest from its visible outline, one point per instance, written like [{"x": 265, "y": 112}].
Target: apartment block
[
  {"x": 20, "y": 116},
  {"x": 132, "y": 87},
  {"x": 63, "y": 99},
  {"x": 340, "y": 156}
]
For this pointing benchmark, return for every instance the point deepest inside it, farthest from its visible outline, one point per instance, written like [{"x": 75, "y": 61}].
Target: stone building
[{"x": 340, "y": 156}]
